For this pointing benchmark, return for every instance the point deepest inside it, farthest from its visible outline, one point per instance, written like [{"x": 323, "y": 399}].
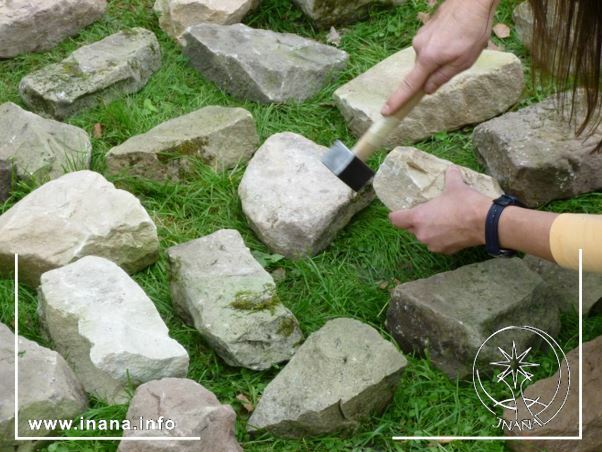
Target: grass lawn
[{"x": 351, "y": 278}]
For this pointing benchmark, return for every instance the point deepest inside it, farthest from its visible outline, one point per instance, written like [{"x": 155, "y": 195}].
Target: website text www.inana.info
[{"x": 103, "y": 425}]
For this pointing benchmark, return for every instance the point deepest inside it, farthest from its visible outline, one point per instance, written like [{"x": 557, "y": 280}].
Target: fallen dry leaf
[
  {"x": 502, "y": 31},
  {"x": 333, "y": 37},
  {"x": 493, "y": 46},
  {"x": 245, "y": 402},
  {"x": 97, "y": 130},
  {"x": 424, "y": 17}
]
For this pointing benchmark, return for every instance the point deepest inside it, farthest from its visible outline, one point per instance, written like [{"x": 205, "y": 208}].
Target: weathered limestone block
[{"x": 326, "y": 13}]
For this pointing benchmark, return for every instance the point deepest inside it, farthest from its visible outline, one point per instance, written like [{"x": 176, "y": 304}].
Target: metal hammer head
[{"x": 347, "y": 167}]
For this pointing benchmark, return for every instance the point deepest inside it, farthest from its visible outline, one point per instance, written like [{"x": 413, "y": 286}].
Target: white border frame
[
  {"x": 528, "y": 438},
  {"x": 67, "y": 438}
]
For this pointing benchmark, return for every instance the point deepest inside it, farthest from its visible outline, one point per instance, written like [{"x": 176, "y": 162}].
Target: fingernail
[{"x": 385, "y": 110}]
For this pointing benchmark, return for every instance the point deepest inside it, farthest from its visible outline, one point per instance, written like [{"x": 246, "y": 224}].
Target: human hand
[
  {"x": 448, "y": 44},
  {"x": 451, "y": 222}
]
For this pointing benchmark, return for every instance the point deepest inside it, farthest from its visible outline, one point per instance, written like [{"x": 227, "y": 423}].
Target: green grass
[{"x": 351, "y": 278}]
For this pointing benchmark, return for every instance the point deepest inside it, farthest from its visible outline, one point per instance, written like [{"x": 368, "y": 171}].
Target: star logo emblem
[{"x": 514, "y": 365}]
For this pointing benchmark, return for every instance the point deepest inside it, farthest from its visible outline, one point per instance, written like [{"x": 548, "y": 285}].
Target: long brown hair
[{"x": 567, "y": 48}]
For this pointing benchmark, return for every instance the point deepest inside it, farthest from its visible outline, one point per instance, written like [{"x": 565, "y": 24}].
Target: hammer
[{"x": 349, "y": 165}]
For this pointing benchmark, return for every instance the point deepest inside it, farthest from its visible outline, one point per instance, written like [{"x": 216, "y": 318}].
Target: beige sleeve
[{"x": 571, "y": 232}]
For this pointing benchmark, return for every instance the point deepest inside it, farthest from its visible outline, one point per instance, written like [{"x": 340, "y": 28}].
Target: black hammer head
[{"x": 347, "y": 167}]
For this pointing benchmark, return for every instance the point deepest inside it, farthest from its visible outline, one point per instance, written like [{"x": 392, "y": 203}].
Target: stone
[
  {"x": 451, "y": 314},
  {"x": 326, "y": 13},
  {"x": 175, "y": 16},
  {"x": 261, "y": 65},
  {"x": 6, "y": 180},
  {"x": 76, "y": 215},
  {"x": 48, "y": 389},
  {"x": 93, "y": 75},
  {"x": 566, "y": 423},
  {"x": 535, "y": 155},
  {"x": 292, "y": 201},
  {"x": 195, "y": 412},
  {"x": 523, "y": 23},
  {"x": 490, "y": 87},
  {"x": 561, "y": 286},
  {"x": 107, "y": 328},
  {"x": 343, "y": 373},
  {"x": 35, "y": 26},
  {"x": 41, "y": 148},
  {"x": 219, "y": 287},
  {"x": 219, "y": 136},
  {"x": 409, "y": 177}
]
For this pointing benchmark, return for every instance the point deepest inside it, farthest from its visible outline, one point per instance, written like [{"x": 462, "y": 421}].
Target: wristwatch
[{"x": 492, "y": 238}]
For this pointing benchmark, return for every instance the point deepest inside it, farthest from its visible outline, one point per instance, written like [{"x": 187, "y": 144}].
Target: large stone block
[
  {"x": 490, "y": 87},
  {"x": 292, "y": 201},
  {"x": 535, "y": 155},
  {"x": 326, "y": 13},
  {"x": 221, "y": 137},
  {"x": 343, "y": 373},
  {"x": 35, "y": 26},
  {"x": 107, "y": 328},
  {"x": 261, "y": 65},
  {"x": 76, "y": 215},
  {"x": 41, "y": 148},
  {"x": 409, "y": 177},
  {"x": 94, "y": 74},
  {"x": 451, "y": 314},
  {"x": 48, "y": 390}
]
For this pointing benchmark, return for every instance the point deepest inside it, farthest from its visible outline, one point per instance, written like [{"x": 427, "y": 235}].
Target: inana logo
[{"x": 515, "y": 369}]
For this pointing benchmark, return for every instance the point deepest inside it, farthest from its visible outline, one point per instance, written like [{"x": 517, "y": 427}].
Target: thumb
[
  {"x": 411, "y": 84},
  {"x": 402, "y": 219},
  {"x": 453, "y": 178}
]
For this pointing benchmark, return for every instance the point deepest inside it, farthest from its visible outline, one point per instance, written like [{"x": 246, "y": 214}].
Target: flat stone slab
[
  {"x": 35, "y": 26},
  {"x": 175, "y": 16},
  {"x": 535, "y": 155},
  {"x": 343, "y": 373},
  {"x": 6, "y": 180},
  {"x": 219, "y": 287},
  {"x": 261, "y": 65},
  {"x": 76, "y": 215},
  {"x": 561, "y": 285},
  {"x": 195, "y": 412},
  {"x": 336, "y": 12},
  {"x": 490, "y": 87},
  {"x": 219, "y": 136},
  {"x": 451, "y": 314},
  {"x": 566, "y": 422},
  {"x": 95, "y": 74},
  {"x": 409, "y": 177},
  {"x": 107, "y": 328},
  {"x": 292, "y": 201},
  {"x": 48, "y": 389},
  {"x": 41, "y": 148}
]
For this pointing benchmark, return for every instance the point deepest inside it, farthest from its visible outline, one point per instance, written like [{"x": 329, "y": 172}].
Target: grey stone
[
  {"x": 342, "y": 374},
  {"x": 41, "y": 148},
  {"x": 561, "y": 286},
  {"x": 6, "y": 180},
  {"x": 261, "y": 65},
  {"x": 292, "y": 201},
  {"x": 48, "y": 389},
  {"x": 101, "y": 72},
  {"x": 195, "y": 411},
  {"x": 218, "y": 287},
  {"x": 523, "y": 23},
  {"x": 175, "y": 16},
  {"x": 221, "y": 137},
  {"x": 566, "y": 422},
  {"x": 35, "y": 26},
  {"x": 451, "y": 314},
  {"x": 490, "y": 87},
  {"x": 335, "y": 12},
  {"x": 107, "y": 328},
  {"x": 535, "y": 155},
  {"x": 76, "y": 215},
  {"x": 409, "y": 177}
]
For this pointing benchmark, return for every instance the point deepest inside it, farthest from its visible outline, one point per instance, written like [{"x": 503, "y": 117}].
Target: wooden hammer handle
[{"x": 378, "y": 133}]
